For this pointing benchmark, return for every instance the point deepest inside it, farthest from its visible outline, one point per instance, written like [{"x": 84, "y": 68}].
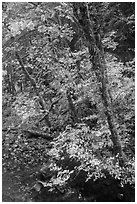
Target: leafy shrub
[{"x": 80, "y": 155}]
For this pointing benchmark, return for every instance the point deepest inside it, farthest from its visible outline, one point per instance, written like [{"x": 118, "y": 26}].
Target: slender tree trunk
[
  {"x": 12, "y": 81},
  {"x": 11, "y": 88},
  {"x": 92, "y": 34},
  {"x": 72, "y": 107},
  {"x": 9, "y": 84}
]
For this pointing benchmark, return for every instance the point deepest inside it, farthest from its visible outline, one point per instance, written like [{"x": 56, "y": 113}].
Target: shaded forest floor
[
  {"x": 22, "y": 160},
  {"x": 14, "y": 186},
  {"x": 21, "y": 166}
]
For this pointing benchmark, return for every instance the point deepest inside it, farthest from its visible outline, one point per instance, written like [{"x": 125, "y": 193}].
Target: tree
[
  {"x": 84, "y": 15},
  {"x": 69, "y": 68}
]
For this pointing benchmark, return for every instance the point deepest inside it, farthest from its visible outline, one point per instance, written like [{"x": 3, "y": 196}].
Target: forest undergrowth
[{"x": 68, "y": 101}]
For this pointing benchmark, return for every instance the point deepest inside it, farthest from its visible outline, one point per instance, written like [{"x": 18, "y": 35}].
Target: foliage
[
  {"x": 121, "y": 29},
  {"x": 54, "y": 51},
  {"x": 80, "y": 149}
]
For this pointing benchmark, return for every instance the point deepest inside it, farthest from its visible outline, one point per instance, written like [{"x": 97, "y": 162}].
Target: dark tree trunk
[
  {"x": 71, "y": 106},
  {"x": 12, "y": 81},
  {"x": 11, "y": 87},
  {"x": 92, "y": 34}
]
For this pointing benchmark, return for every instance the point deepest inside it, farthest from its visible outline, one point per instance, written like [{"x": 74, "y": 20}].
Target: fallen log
[{"x": 36, "y": 134}]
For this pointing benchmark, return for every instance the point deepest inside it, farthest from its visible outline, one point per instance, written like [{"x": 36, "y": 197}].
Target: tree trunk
[
  {"x": 12, "y": 81},
  {"x": 36, "y": 134},
  {"x": 92, "y": 33},
  {"x": 11, "y": 86},
  {"x": 72, "y": 107}
]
